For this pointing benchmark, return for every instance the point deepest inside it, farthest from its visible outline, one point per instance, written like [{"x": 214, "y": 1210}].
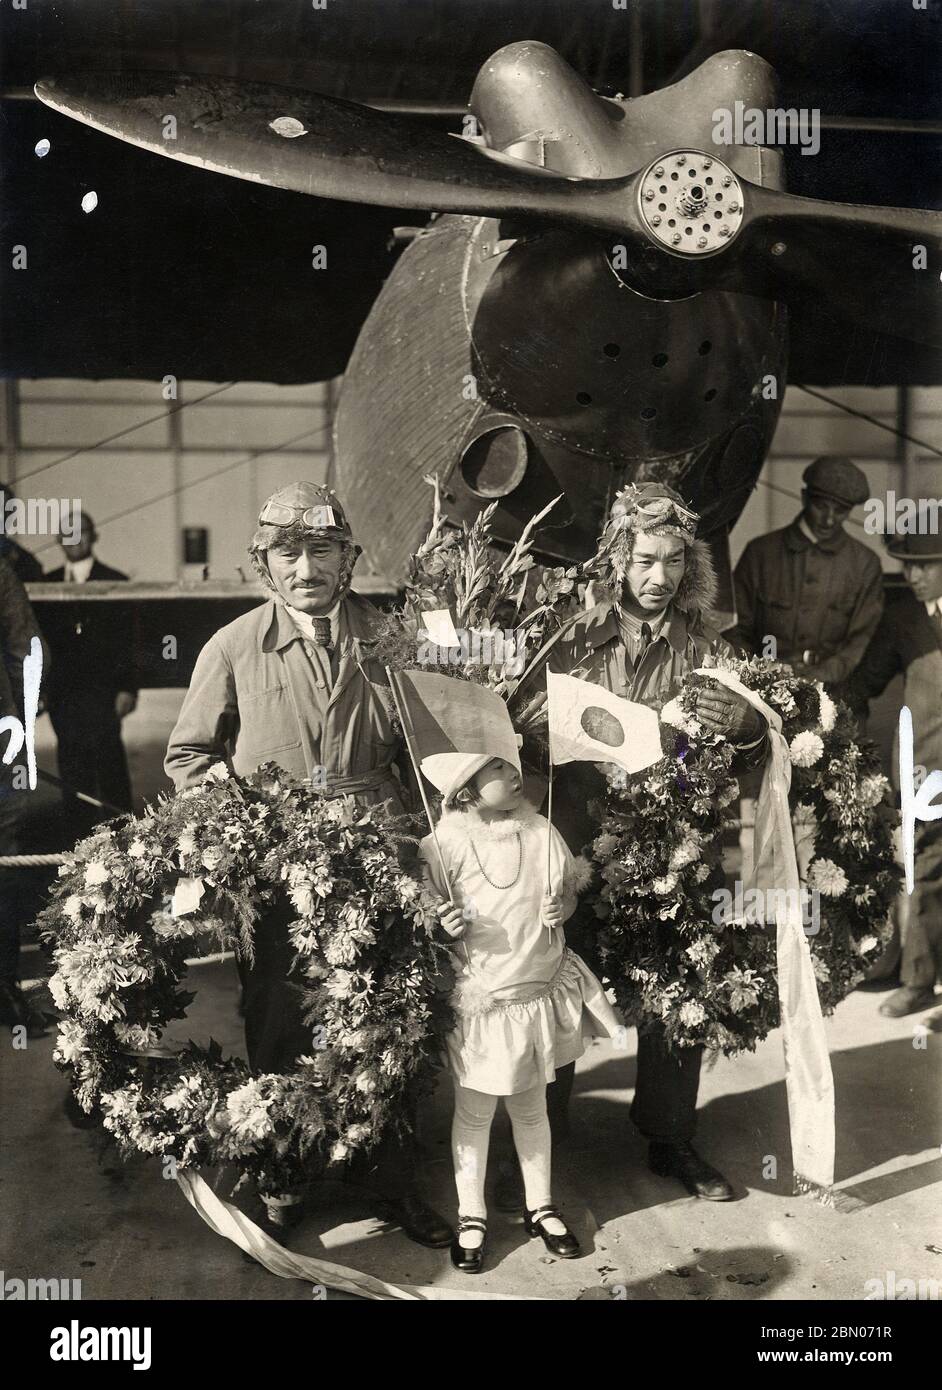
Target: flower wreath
[
  {"x": 134, "y": 900},
  {"x": 670, "y": 942}
]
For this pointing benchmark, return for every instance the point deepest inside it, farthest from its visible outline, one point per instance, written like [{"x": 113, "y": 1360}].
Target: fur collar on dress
[{"x": 459, "y": 827}]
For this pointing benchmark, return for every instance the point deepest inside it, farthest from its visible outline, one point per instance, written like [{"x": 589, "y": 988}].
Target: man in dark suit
[
  {"x": 91, "y": 684},
  {"x": 908, "y": 641}
]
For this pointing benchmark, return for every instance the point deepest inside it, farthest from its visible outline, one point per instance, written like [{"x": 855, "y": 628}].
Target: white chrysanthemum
[
  {"x": 95, "y": 874},
  {"x": 827, "y": 710},
  {"x": 217, "y": 773},
  {"x": 828, "y": 878},
  {"x": 185, "y": 1095},
  {"x": 341, "y": 984},
  {"x": 136, "y": 1035},
  {"x": 687, "y": 852},
  {"x": 703, "y": 952},
  {"x": 692, "y": 1014},
  {"x": 137, "y": 849},
  {"x": 701, "y": 872},
  {"x": 186, "y": 844},
  {"x": 604, "y": 845},
  {"x": 57, "y": 988},
  {"x": 873, "y": 789},
  {"x": 674, "y": 714},
  {"x": 665, "y": 885},
  {"x": 72, "y": 1043},
  {"x": 806, "y": 749},
  {"x": 302, "y": 899},
  {"x": 365, "y": 1084},
  {"x": 92, "y": 971},
  {"x": 248, "y": 1112}
]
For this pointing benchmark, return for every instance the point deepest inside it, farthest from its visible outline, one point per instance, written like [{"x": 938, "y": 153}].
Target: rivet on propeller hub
[{"x": 706, "y": 208}]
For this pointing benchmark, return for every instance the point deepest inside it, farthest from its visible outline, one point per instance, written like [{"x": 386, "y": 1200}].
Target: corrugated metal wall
[{"x": 191, "y": 468}]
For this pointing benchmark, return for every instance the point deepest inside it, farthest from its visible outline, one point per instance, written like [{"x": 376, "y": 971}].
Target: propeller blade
[
  {"x": 332, "y": 149},
  {"x": 862, "y": 261}
]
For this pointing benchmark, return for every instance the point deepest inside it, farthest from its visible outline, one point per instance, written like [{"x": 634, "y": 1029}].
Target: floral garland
[
  {"x": 135, "y": 900},
  {"x": 674, "y": 949},
  {"x": 501, "y": 604}
]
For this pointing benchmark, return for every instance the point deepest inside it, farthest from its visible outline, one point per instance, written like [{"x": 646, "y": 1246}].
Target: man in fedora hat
[
  {"x": 908, "y": 641},
  {"x": 810, "y": 586},
  {"x": 294, "y": 683}
]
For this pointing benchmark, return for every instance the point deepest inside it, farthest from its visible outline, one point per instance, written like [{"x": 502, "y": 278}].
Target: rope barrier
[{"x": 31, "y": 861}]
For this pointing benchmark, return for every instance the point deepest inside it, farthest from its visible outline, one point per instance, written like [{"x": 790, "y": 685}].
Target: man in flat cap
[
  {"x": 908, "y": 641},
  {"x": 813, "y": 588},
  {"x": 641, "y": 642},
  {"x": 293, "y": 683}
]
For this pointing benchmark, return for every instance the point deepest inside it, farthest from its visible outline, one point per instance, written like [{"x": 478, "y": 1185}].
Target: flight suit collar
[
  {"x": 601, "y": 626},
  {"x": 280, "y": 629},
  {"x": 796, "y": 540}
]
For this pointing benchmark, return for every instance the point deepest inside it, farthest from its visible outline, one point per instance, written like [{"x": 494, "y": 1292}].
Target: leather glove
[{"x": 724, "y": 712}]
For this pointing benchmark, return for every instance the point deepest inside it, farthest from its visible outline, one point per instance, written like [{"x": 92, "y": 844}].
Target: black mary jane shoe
[
  {"x": 469, "y": 1260},
  {"x": 565, "y": 1247}
]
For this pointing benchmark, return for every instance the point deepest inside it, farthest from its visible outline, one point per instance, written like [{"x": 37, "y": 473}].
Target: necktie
[
  {"x": 319, "y": 648},
  {"x": 321, "y": 628}
]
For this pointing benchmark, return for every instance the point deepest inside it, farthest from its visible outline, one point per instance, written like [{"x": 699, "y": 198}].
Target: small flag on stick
[
  {"x": 587, "y": 723},
  {"x": 447, "y": 716}
]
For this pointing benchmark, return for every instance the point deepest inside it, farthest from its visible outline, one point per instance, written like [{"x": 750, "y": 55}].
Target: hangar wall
[{"x": 213, "y": 462}]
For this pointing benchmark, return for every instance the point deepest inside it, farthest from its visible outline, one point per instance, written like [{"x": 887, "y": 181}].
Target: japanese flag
[{"x": 587, "y": 723}]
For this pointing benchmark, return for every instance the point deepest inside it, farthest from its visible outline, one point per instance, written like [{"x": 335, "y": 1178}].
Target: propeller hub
[{"x": 691, "y": 203}]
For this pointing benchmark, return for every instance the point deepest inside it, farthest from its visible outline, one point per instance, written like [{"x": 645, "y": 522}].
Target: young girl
[{"x": 522, "y": 997}]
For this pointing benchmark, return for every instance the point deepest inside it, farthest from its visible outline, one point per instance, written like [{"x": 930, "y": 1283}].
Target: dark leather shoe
[
  {"x": 469, "y": 1260},
  {"x": 508, "y": 1189},
  {"x": 682, "y": 1161},
  {"x": 420, "y": 1222},
  {"x": 908, "y": 1000},
  {"x": 283, "y": 1211},
  {"x": 566, "y": 1247}
]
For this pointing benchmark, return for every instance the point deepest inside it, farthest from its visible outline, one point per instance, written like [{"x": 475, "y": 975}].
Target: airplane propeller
[{"x": 687, "y": 220}]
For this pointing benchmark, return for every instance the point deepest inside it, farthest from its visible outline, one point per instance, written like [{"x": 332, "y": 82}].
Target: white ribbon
[
  {"x": 808, "y": 1080},
  {"x": 226, "y": 1220}
]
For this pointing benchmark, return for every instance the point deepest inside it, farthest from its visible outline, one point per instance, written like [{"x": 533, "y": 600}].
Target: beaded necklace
[{"x": 487, "y": 875}]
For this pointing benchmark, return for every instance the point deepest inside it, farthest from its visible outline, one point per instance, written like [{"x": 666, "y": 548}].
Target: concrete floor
[{"x": 70, "y": 1207}]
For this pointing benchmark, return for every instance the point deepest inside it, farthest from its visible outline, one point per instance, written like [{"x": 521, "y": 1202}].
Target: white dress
[{"x": 524, "y": 1001}]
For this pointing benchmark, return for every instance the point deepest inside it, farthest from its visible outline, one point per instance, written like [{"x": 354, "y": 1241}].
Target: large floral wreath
[
  {"x": 136, "y": 899},
  {"x": 669, "y": 938}
]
